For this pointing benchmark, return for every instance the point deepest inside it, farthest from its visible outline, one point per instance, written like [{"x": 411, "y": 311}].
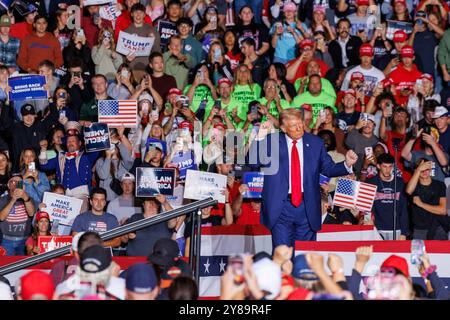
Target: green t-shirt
[
  {"x": 201, "y": 93},
  {"x": 89, "y": 110},
  {"x": 246, "y": 94},
  {"x": 327, "y": 87},
  {"x": 317, "y": 103},
  {"x": 273, "y": 107}
]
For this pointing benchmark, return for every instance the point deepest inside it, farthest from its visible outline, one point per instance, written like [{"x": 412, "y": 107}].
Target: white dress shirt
[
  {"x": 299, "y": 146},
  {"x": 343, "y": 44}
]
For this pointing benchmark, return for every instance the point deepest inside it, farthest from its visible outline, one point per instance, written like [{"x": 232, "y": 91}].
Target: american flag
[
  {"x": 118, "y": 112},
  {"x": 17, "y": 214},
  {"x": 350, "y": 194}
]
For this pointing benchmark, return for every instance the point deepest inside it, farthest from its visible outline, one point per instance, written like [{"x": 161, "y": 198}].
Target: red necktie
[{"x": 296, "y": 176}]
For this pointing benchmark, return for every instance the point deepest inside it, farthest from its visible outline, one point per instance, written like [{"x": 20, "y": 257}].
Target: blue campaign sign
[
  {"x": 254, "y": 181},
  {"x": 96, "y": 137},
  {"x": 185, "y": 161},
  {"x": 27, "y": 87},
  {"x": 166, "y": 30},
  {"x": 153, "y": 181}
]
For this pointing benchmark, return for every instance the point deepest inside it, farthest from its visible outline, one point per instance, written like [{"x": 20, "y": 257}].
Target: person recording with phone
[
  {"x": 124, "y": 85},
  {"x": 16, "y": 212},
  {"x": 104, "y": 55},
  {"x": 62, "y": 103},
  {"x": 218, "y": 66},
  {"x": 429, "y": 212},
  {"x": 79, "y": 48},
  {"x": 34, "y": 180}
]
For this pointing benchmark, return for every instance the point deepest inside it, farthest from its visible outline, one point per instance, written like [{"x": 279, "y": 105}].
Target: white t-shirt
[
  {"x": 116, "y": 287},
  {"x": 371, "y": 77}
]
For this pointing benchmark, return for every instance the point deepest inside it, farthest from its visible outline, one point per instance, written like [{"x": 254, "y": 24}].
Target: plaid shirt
[{"x": 9, "y": 51}]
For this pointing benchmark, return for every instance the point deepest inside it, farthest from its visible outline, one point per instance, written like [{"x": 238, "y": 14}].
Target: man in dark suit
[
  {"x": 345, "y": 48},
  {"x": 291, "y": 162}
]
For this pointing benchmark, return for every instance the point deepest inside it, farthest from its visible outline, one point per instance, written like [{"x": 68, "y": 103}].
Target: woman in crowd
[
  {"x": 41, "y": 227},
  {"x": 328, "y": 122},
  {"x": 79, "y": 48},
  {"x": 104, "y": 55},
  {"x": 113, "y": 164},
  {"x": 5, "y": 172},
  {"x": 218, "y": 66},
  {"x": 244, "y": 90},
  {"x": 277, "y": 71},
  {"x": 123, "y": 86},
  {"x": 35, "y": 182},
  {"x": 232, "y": 52}
]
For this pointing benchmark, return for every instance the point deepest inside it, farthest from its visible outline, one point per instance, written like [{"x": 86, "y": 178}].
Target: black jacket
[
  {"x": 352, "y": 47},
  {"x": 26, "y": 137}
]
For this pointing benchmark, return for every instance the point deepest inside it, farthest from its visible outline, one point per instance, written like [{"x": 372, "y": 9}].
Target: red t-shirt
[
  {"x": 390, "y": 136},
  {"x": 124, "y": 21},
  {"x": 403, "y": 79},
  {"x": 249, "y": 215},
  {"x": 20, "y": 30},
  {"x": 301, "y": 71},
  {"x": 219, "y": 209}
]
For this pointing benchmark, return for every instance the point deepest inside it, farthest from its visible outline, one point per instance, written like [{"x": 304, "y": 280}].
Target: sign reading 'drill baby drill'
[{"x": 133, "y": 44}]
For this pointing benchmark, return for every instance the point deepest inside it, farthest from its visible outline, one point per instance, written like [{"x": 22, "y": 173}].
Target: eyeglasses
[{"x": 271, "y": 87}]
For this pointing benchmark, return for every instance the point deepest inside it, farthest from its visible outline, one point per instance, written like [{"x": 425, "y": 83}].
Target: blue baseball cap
[
  {"x": 141, "y": 278},
  {"x": 302, "y": 270}
]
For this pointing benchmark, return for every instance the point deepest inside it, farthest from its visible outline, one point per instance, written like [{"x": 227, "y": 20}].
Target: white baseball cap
[
  {"x": 127, "y": 176},
  {"x": 440, "y": 111}
]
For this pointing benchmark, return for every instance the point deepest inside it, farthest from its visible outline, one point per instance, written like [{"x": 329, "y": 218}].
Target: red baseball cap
[
  {"x": 407, "y": 52},
  {"x": 366, "y": 50},
  {"x": 427, "y": 76},
  {"x": 224, "y": 80},
  {"x": 186, "y": 124},
  {"x": 37, "y": 282},
  {"x": 400, "y": 36},
  {"x": 357, "y": 76},
  {"x": 398, "y": 263},
  {"x": 176, "y": 91},
  {"x": 401, "y": 1},
  {"x": 306, "y": 43},
  {"x": 350, "y": 91},
  {"x": 387, "y": 82},
  {"x": 362, "y": 2},
  {"x": 42, "y": 214},
  {"x": 307, "y": 107},
  {"x": 219, "y": 125}
]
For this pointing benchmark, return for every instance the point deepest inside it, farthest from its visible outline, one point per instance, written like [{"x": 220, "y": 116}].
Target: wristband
[{"x": 429, "y": 271}]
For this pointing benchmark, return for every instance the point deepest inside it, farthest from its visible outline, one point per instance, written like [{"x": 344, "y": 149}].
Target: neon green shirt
[{"x": 317, "y": 103}]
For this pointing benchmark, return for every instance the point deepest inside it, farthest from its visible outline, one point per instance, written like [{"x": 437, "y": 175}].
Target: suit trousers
[{"x": 291, "y": 226}]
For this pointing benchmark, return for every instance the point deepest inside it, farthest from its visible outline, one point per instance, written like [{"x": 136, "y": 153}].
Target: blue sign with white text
[
  {"x": 27, "y": 87},
  {"x": 153, "y": 181},
  {"x": 96, "y": 137},
  {"x": 185, "y": 161},
  {"x": 254, "y": 181}
]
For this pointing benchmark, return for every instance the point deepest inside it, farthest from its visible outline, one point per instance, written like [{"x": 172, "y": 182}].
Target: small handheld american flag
[
  {"x": 351, "y": 194},
  {"x": 118, "y": 112}
]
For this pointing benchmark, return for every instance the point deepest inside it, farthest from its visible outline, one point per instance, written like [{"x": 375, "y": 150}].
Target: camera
[
  {"x": 237, "y": 266},
  {"x": 76, "y": 74},
  {"x": 218, "y": 105}
]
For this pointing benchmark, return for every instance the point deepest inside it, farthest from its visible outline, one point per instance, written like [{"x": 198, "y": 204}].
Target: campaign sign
[
  {"x": 185, "y": 161},
  {"x": 166, "y": 30},
  {"x": 61, "y": 208},
  {"x": 393, "y": 26},
  {"x": 49, "y": 243},
  {"x": 254, "y": 181},
  {"x": 153, "y": 181},
  {"x": 25, "y": 87},
  {"x": 130, "y": 43},
  {"x": 109, "y": 11},
  {"x": 96, "y": 137},
  {"x": 95, "y": 2},
  {"x": 201, "y": 185}
]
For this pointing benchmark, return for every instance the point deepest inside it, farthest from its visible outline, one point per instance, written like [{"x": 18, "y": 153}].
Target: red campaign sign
[{"x": 49, "y": 243}]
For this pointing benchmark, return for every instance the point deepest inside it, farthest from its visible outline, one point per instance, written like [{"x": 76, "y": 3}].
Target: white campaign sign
[
  {"x": 61, "y": 207},
  {"x": 131, "y": 43},
  {"x": 201, "y": 185}
]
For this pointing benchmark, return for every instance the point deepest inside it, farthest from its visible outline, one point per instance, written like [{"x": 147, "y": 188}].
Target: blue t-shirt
[
  {"x": 90, "y": 222},
  {"x": 286, "y": 42}
]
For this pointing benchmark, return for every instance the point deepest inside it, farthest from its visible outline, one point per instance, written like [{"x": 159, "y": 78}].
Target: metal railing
[{"x": 194, "y": 209}]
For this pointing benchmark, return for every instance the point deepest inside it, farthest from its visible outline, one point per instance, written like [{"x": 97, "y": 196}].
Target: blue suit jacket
[{"x": 276, "y": 186}]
